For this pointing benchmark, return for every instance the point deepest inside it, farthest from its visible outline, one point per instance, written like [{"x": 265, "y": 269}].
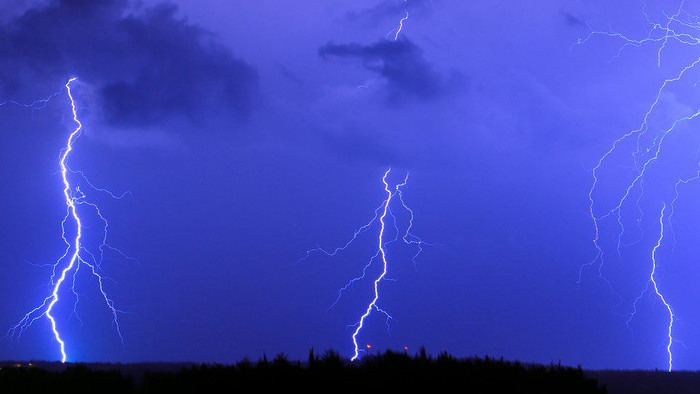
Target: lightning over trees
[{"x": 388, "y": 233}]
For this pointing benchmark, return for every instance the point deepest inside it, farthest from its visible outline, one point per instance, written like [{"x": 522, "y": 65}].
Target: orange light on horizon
[{"x": 368, "y": 346}]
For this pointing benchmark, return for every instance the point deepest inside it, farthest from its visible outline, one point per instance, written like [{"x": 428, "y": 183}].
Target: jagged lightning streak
[
  {"x": 408, "y": 237},
  {"x": 382, "y": 253},
  {"x": 652, "y": 280},
  {"x": 403, "y": 20},
  {"x": 70, "y": 202},
  {"x": 73, "y": 197},
  {"x": 400, "y": 28},
  {"x": 381, "y": 215},
  {"x": 647, "y": 153}
]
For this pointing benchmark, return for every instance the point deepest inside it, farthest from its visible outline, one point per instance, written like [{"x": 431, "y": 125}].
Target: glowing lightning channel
[
  {"x": 652, "y": 279},
  {"x": 381, "y": 214},
  {"x": 398, "y": 30},
  {"x": 70, "y": 201},
  {"x": 652, "y": 283},
  {"x": 401, "y": 22},
  {"x": 382, "y": 251},
  {"x": 73, "y": 197},
  {"x": 646, "y": 154}
]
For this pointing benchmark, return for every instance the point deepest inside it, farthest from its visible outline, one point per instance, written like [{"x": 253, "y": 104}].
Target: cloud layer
[
  {"x": 401, "y": 63},
  {"x": 146, "y": 65}
]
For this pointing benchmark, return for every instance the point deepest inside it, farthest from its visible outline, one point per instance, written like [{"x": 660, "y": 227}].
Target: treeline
[{"x": 327, "y": 373}]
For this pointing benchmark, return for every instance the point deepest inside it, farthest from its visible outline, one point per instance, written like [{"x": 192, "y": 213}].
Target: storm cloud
[
  {"x": 146, "y": 65},
  {"x": 401, "y": 63},
  {"x": 386, "y": 9}
]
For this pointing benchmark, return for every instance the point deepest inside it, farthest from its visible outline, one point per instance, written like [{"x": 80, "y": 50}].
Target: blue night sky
[{"x": 248, "y": 132}]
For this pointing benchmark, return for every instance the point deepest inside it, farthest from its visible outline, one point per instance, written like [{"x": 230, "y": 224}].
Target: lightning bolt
[
  {"x": 648, "y": 144},
  {"x": 381, "y": 216},
  {"x": 76, "y": 254},
  {"x": 398, "y": 30},
  {"x": 33, "y": 106},
  {"x": 382, "y": 251},
  {"x": 652, "y": 280}
]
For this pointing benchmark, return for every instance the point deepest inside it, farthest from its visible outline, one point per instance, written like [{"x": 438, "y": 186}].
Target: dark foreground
[
  {"x": 386, "y": 373},
  {"x": 648, "y": 382}
]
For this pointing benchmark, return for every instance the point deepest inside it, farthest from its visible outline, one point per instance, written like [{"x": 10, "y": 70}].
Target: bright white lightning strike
[
  {"x": 401, "y": 22},
  {"x": 70, "y": 202},
  {"x": 76, "y": 253},
  {"x": 382, "y": 251},
  {"x": 380, "y": 215},
  {"x": 652, "y": 280},
  {"x": 398, "y": 30},
  {"x": 648, "y": 149}
]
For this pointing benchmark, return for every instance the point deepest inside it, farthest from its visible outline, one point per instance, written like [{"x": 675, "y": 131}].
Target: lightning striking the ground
[
  {"x": 646, "y": 147},
  {"x": 652, "y": 280},
  {"x": 77, "y": 253},
  {"x": 386, "y": 221}
]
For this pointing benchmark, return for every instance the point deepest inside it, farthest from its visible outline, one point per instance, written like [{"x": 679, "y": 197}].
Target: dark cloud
[
  {"x": 401, "y": 63},
  {"x": 386, "y": 9},
  {"x": 572, "y": 20},
  {"x": 12, "y": 9},
  {"x": 377, "y": 12},
  {"x": 146, "y": 65}
]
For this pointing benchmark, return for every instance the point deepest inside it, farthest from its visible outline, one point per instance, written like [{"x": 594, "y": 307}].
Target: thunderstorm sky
[{"x": 249, "y": 132}]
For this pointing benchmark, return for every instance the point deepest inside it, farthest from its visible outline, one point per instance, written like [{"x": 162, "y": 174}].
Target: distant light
[{"x": 369, "y": 346}]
